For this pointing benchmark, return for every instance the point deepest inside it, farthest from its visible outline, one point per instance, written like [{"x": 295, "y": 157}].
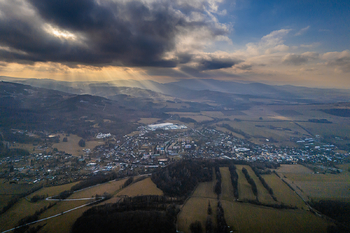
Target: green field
[
  {"x": 263, "y": 194},
  {"x": 63, "y": 223},
  {"x": 226, "y": 185},
  {"x": 111, "y": 187},
  {"x": 323, "y": 186},
  {"x": 244, "y": 217},
  {"x": 295, "y": 169},
  {"x": 53, "y": 190},
  {"x": 72, "y": 147},
  {"x": 283, "y": 193},
  {"x": 20, "y": 210},
  {"x": 196, "y": 207},
  {"x": 317, "y": 186},
  {"x": 244, "y": 188},
  {"x": 206, "y": 189},
  {"x": 143, "y": 187}
]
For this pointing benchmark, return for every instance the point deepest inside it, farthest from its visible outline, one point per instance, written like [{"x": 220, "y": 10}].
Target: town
[{"x": 153, "y": 147}]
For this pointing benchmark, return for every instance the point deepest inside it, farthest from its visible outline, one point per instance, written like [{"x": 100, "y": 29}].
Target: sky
[{"x": 304, "y": 43}]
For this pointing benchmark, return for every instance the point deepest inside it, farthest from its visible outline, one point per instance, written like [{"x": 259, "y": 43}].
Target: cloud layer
[
  {"x": 157, "y": 38},
  {"x": 99, "y": 33}
]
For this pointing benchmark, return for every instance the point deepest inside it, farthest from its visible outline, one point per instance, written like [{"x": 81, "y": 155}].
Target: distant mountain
[
  {"x": 285, "y": 92},
  {"x": 33, "y": 108},
  {"x": 217, "y": 91}
]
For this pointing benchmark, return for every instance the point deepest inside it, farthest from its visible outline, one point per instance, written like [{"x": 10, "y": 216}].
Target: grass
[
  {"x": 29, "y": 147},
  {"x": 196, "y": 206},
  {"x": 143, "y": 187},
  {"x": 244, "y": 188},
  {"x": 53, "y": 190},
  {"x": 282, "y": 192},
  {"x": 206, "y": 189},
  {"x": 61, "y": 207},
  {"x": 7, "y": 188},
  {"x": 297, "y": 169},
  {"x": 148, "y": 121},
  {"x": 64, "y": 223},
  {"x": 24, "y": 208},
  {"x": 318, "y": 186},
  {"x": 244, "y": 217},
  {"x": 323, "y": 186},
  {"x": 72, "y": 147},
  {"x": 110, "y": 187},
  {"x": 21, "y": 209},
  {"x": 263, "y": 194},
  {"x": 216, "y": 114},
  {"x": 4, "y": 199},
  {"x": 195, "y": 209},
  {"x": 226, "y": 185}
]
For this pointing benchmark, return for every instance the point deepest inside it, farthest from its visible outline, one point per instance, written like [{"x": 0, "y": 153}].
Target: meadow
[
  {"x": 263, "y": 195},
  {"x": 244, "y": 188},
  {"x": 283, "y": 193},
  {"x": 317, "y": 186},
  {"x": 244, "y": 217},
  {"x": 111, "y": 187},
  {"x": 226, "y": 185},
  {"x": 72, "y": 147},
  {"x": 143, "y": 187}
]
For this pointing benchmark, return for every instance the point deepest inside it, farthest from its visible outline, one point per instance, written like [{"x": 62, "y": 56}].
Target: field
[
  {"x": 279, "y": 123},
  {"x": 143, "y": 187},
  {"x": 263, "y": 194},
  {"x": 7, "y": 188},
  {"x": 244, "y": 217},
  {"x": 148, "y": 121},
  {"x": 53, "y": 190},
  {"x": 111, "y": 187},
  {"x": 226, "y": 185},
  {"x": 317, "y": 186},
  {"x": 283, "y": 193},
  {"x": 20, "y": 210},
  {"x": 8, "y": 191},
  {"x": 206, "y": 189},
  {"x": 323, "y": 186},
  {"x": 63, "y": 223},
  {"x": 244, "y": 188},
  {"x": 24, "y": 208},
  {"x": 72, "y": 147},
  {"x": 28, "y": 147},
  {"x": 195, "y": 209},
  {"x": 296, "y": 169}
]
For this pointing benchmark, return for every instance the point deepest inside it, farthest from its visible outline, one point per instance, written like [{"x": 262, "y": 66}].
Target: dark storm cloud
[
  {"x": 299, "y": 59},
  {"x": 115, "y": 33},
  {"x": 215, "y": 64}
]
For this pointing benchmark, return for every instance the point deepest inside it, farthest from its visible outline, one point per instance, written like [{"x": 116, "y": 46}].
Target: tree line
[
  {"x": 181, "y": 178},
  {"x": 263, "y": 182},
  {"x": 31, "y": 218},
  {"x": 234, "y": 180},
  {"x": 94, "y": 180},
  {"x": 15, "y": 199},
  {"x": 132, "y": 214},
  {"x": 251, "y": 182},
  {"x": 217, "y": 187}
]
